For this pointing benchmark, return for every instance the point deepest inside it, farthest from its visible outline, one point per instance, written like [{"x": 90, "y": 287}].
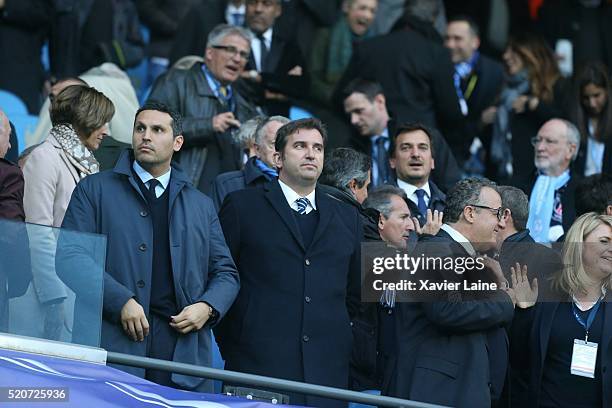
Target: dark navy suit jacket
[
  {"x": 291, "y": 317},
  {"x": 452, "y": 353}
]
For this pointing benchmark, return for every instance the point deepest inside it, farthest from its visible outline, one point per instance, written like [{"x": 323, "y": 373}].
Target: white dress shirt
[
  {"x": 145, "y": 177},
  {"x": 460, "y": 239},
  {"x": 411, "y": 189},
  {"x": 256, "y": 46},
  {"x": 291, "y": 196}
]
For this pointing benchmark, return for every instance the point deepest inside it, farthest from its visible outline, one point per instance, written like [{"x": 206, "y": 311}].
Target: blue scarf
[
  {"x": 462, "y": 70},
  {"x": 541, "y": 204},
  {"x": 268, "y": 171}
]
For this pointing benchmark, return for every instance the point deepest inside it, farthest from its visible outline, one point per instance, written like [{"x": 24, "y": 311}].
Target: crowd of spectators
[{"x": 479, "y": 127}]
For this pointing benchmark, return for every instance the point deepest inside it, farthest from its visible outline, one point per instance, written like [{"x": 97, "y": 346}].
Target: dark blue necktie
[
  {"x": 421, "y": 202},
  {"x": 381, "y": 160},
  {"x": 302, "y": 204},
  {"x": 152, "y": 184}
]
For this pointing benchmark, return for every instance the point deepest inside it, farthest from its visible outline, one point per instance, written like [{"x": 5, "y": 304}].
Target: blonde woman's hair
[{"x": 573, "y": 278}]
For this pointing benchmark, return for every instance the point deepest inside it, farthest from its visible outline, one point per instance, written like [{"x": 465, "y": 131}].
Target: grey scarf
[{"x": 501, "y": 149}]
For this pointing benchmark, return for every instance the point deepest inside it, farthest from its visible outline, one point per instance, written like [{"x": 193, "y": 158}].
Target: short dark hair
[
  {"x": 85, "y": 109},
  {"x": 411, "y": 127},
  {"x": 177, "y": 119},
  {"x": 462, "y": 194},
  {"x": 380, "y": 198},
  {"x": 515, "y": 200},
  {"x": 593, "y": 194},
  {"x": 292, "y": 127},
  {"x": 363, "y": 86},
  {"x": 343, "y": 165},
  {"x": 467, "y": 19}
]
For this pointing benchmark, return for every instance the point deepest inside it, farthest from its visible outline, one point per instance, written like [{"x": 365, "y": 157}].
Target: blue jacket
[{"x": 111, "y": 203}]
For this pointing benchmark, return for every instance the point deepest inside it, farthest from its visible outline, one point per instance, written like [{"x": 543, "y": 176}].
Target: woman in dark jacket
[
  {"x": 548, "y": 337},
  {"x": 533, "y": 94},
  {"x": 591, "y": 112}
]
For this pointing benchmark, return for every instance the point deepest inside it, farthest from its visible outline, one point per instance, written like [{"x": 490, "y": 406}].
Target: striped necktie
[{"x": 302, "y": 204}]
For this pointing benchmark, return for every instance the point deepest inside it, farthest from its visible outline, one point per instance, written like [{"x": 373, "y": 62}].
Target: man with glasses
[
  {"x": 551, "y": 203},
  {"x": 452, "y": 350},
  {"x": 276, "y": 67},
  {"x": 212, "y": 108}
]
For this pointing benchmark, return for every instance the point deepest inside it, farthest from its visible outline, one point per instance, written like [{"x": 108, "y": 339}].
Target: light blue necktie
[{"x": 302, "y": 204}]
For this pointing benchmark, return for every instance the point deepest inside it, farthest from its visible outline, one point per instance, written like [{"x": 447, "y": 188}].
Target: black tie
[
  {"x": 152, "y": 184},
  {"x": 263, "y": 53}
]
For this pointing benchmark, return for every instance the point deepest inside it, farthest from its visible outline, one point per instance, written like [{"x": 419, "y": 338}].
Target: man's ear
[
  {"x": 278, "y": 163},
  {"x": 469, "y": 214},
  {"x": 609, "y": 210},
  {"x": 352, "y": 185},
  {"x": 178, "y": 143},
  {"x": 392, "y": 162},
  {"x": 380, "y": 100},
  {"x": 381, "y": 221}
]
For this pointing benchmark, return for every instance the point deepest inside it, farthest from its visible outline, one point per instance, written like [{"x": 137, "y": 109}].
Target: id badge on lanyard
[{"x": 584, "y": 353}]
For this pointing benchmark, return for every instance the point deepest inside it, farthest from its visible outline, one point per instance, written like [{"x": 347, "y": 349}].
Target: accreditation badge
[{"x": 584, "y": 357}]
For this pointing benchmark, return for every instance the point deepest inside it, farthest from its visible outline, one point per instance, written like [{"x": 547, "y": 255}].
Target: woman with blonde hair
[
  {"x": 533, "y": 93},
  {"x": 563, "y": 344},
  {"x": 51, "y": 170}
]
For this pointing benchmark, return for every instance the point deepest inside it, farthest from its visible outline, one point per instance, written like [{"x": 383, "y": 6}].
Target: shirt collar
[
  {"x": 145, "y": 176},
  {"x": 233, "y": 9},
  {"x": 460, "y": 239},
  {"x": 411, "y": 188},
  {"x": 385, "y": 133},
  {"x": 214, "y": 84},
  {"x": 291, "y": 195}
]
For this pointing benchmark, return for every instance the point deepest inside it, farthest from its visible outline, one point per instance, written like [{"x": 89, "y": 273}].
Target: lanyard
[{"x": 590, "y": 317}]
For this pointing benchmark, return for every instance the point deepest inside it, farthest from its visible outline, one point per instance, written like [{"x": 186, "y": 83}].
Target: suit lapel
[
  {"x": 277, "y": 199},
  {"x": 606, "y": 335},
  {"x": 548, "y": 315},
  {"x": 325, "y": 209}
]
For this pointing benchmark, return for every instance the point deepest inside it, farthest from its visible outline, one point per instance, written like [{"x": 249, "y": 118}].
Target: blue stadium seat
[
  {"x": 12, "y": 104},
  {"x": 295, "y": 112},
  {"x": 24, "y": 124}
]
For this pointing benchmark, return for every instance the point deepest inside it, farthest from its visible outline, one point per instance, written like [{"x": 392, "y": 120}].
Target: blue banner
[{"x": 56, "y": 382}]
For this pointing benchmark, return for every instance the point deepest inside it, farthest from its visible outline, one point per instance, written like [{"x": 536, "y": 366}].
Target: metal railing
[{"x": 261, "y": 381}]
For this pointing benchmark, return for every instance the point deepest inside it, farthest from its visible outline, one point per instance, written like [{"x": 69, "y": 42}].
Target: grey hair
[
  {"x": 380, "y": 199},
  {"x": 515, "y": 200},
  {"x": 572, "y": 135},
  {"x": 462, "y": 194},
  {"x": 223, "y": 30},
  {"x": 246, "y": 133},
  {"x": 343, "y": 165},
  {"x": 426, "y": 10},
  {"x": 260, "y": 133}
]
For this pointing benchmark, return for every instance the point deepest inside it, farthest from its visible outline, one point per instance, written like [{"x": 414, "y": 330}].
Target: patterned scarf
[{"x": 78, "y": 154}]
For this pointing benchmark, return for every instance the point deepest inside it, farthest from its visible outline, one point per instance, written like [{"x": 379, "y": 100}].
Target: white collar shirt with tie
[
  {"x": 291, "y": 196},
  {"x": 145, "y": 177},
  {"x": 256, "y": 46},
  {"x": 411, "y": 189},
  {"x": 235, "y": 15}
]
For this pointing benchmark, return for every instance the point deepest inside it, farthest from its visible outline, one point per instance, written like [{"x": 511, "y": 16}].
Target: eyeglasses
[
  {"x": 548, "y": 142},
  {"x": 233, "y": 51},
  {"x": 499, "y": 212}
]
